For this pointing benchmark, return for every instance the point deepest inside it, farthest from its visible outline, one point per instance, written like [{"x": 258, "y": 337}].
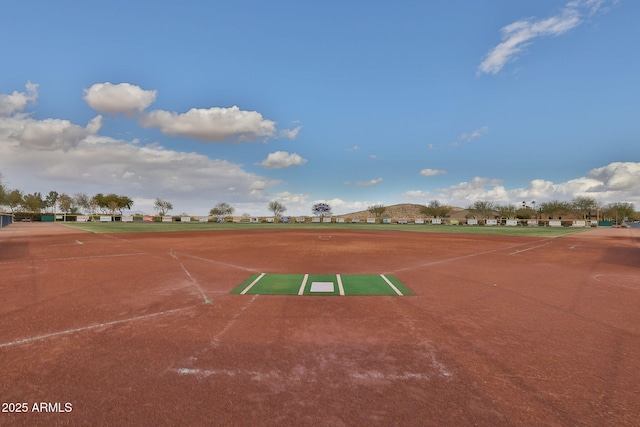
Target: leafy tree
[
  {"x": 14, "y": 199},
  {"x": 377, "y": 210},
  {"x": 32, "y": 202},
  {"x": 222, "y": 209},
  {"x": 555, "y": 208},
  {"x": 83, "y": 201},
  {"x": 506, "y": 211},
  {"x": 482, "y": 209},
  {"x": 111, "y": 202},
  {"x": 583, "y": 206},
  {"x": 50, "y": 201},
  {"x": 66, "y": 204},
  {"x": 617, "y": 211},
  {"x": 277, "y": 208},
  {"x": 321, "y": 209},
  {"x": 162, "y": 206},
  {"x": 525, "y": 213},
  {"x": 436, "y": 209},
  {"x": 3, "y": 192}
]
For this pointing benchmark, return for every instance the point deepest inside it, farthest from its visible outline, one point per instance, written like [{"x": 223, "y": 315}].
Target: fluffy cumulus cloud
[
  {"x": 618, "y": 176},
  {"x": 118, "y": 98},
  {"x": 211, "y": 125},
  {"x": 282, "y": 159},
  {"x": 47, "y": 134},
  {"x": 432, "y": 172},
  {"x": 518, "y": 35},
  {"x": 100, "y": 164},
  {"x": 56, "y": 154},
  {"x": 17, "y": 101},
  {"x": 615, "y": 182}
]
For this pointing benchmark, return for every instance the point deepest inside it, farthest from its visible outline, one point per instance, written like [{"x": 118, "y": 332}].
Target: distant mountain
[{"x": 403, "y": 210}]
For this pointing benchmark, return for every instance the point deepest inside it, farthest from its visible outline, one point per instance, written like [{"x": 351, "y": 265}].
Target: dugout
[{"x": 5, "y": 219}]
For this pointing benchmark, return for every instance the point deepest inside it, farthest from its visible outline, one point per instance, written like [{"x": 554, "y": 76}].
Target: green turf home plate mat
[{"x": 322, "y": 284}]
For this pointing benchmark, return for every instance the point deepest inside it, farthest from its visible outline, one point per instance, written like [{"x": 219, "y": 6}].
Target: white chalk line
[
  {"x": 87, "y": 328},
  {"x": 79, "y": 258},
  {"x": 278, "y": 374},
  {"x": 253, "y": 270},
  {"x": 193, "y": 281},
  {"x": 230, "y": 323},
  {"x": 396, "y": 290},
  {"x": 303, "y": 284},
  {"x": 615, "y": 279},
  {"x": 441, "y": 261},
  {"x": 340, "y": 287},
  {"x": 252, "y": 284},
  {"x": 529, "y": 249},
  {"x": 77, "y": 242}
]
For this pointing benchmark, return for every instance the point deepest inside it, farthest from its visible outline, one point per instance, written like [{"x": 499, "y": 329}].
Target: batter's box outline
[{"x": 322, "y": 285}]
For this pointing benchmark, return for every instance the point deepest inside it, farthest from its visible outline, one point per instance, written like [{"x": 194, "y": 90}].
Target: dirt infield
[{"x": 140, "y": 329}]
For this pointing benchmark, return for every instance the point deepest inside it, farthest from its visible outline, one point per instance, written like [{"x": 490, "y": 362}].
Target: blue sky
[{"x": 353, "y": 103}]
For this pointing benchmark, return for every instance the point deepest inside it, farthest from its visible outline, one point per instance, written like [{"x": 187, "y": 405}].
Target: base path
[{"x": 142, "y": 329}]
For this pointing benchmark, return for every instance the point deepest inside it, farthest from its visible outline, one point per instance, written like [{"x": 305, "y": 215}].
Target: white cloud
[
  {"x": 57, "y": 155},
  {"x": 468, "y": 137},
  {"x": 118, "y": 98},
  {"x": 290, "y": 133},
  {"x": 94, "y": 125},
  {"x": 18, "y": 101},
  {"x": 354, "y": 148},
  {"x": 282, "y": 159},
  {"x": 213, "y": 124},
  {"x": 48, "y": 134},
  {"x": 615, "y": 182},
  {"x": 369, "y": 183},
  {"x": 520, "y": 34},
  {"x": 432, "y": 172},
  {"x": 618, "y": 176}
]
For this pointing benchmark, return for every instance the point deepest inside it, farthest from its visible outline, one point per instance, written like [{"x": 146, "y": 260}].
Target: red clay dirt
[{"x": 140, "y": 329}]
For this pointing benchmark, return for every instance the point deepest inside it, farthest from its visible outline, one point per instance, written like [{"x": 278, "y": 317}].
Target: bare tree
[
  {"x": 277, "y": 208},
  {"x": 162, "y": 206}
]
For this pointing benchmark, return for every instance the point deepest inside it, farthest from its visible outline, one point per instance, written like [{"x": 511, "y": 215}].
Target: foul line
[
  {"x": 427, "y": 264},
  {"x": 220, "y": 262},
  {"x": 397, "y": 291},
  {"x": 528, "y": 249},
  {"x": 304, "y": 283},
  {"x": 86, "y": 328},
  {"x": 195, "y": 283},
  {"x": 251, "y": 284},
  {"x": 340, "y": 287},
  {"x": 73, "y": 258}
]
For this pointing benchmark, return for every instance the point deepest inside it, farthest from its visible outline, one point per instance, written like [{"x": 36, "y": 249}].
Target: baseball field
[{"x": 337, "y": 326}]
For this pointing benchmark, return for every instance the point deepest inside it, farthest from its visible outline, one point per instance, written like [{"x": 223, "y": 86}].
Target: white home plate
[{"x": 321, "y": 287}]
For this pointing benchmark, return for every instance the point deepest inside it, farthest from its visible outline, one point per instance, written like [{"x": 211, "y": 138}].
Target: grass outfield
[{"x": 136, "y": 227}]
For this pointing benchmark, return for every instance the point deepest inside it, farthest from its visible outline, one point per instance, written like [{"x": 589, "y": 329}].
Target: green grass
[
  {"x": 371, "y": 284},
  {"x": 353, "y": 284},
  {"x": 272, "y": 284},
  {"x": 138, "y": 227}
]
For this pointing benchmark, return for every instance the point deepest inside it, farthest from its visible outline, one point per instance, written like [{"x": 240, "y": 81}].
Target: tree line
[{"x": 580, "y": 207}]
